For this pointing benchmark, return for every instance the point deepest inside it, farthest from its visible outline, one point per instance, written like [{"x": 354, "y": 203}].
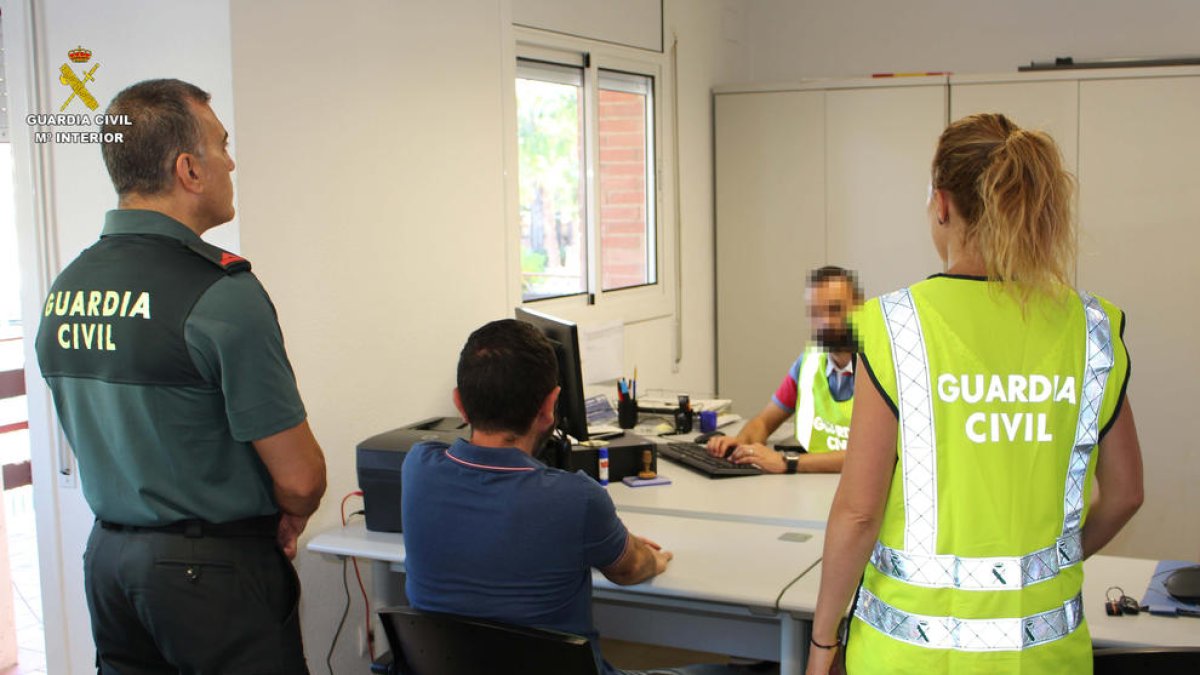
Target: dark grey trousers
[{"x": 168, "y": 603}]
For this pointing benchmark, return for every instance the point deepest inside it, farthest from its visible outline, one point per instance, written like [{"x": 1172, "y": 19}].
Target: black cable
[
  {"x": 779, "y": 598},
  {"x": 342, "y": 623}
]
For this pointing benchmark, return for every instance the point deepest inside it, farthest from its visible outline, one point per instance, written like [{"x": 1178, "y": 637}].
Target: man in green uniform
[{"x": 172, "y": 384}]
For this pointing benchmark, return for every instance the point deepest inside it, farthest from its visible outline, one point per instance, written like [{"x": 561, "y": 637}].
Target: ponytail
[{"x": 1010, "y": 186}]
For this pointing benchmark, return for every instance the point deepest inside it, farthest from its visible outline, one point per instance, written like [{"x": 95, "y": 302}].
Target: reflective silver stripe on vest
[
  {"x": 916, "y": 421},
  {"x": 977, "y": 574},
  {"x": 971, "y": 635},
  {"x": 1099, "y": 362},
  {"x": 924, "y": 568}
]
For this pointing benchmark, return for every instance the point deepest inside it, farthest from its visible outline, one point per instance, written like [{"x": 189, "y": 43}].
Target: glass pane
[
  {"x": 551, "y": 160},
  {"x": 627, "y": 231}
]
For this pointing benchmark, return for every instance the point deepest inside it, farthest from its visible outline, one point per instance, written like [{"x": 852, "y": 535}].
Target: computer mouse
[
  {"x": 703, "y": 438},
  {"x": 1184, "y": 584}
]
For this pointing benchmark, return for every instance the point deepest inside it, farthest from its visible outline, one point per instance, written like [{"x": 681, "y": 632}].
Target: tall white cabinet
[
  {"x": 770, "y": 200},
  {"x": 833, "y": 173},
  {"x": 1130, "y": 136},
  {"x": 880, "y": 142},
  {"x": 1139, "y": 207}
]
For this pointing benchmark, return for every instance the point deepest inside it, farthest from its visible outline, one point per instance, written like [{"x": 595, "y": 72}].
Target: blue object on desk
[
  {"x": 634, "y": 481},
  {"x": 1156, "y": 598},
  {"x": 599, "y": 410}
]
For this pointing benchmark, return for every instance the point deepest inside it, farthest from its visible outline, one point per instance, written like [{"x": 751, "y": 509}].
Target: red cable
[{"x": 358, "y": 576}]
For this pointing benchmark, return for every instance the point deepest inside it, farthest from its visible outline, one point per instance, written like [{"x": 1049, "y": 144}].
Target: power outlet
[{"x": 362, "y": 640}]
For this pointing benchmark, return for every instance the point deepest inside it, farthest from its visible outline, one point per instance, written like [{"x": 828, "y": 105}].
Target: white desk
[
  {"x": 1099, "y": 572},
  {"x": 718, "y": 594},
  {"x": 791, "y": 501},
  {"x": 1144, "y": 630}
]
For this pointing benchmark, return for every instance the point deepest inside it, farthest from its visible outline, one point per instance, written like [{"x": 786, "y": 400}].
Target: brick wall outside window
[{"x": 622, "y": 198}]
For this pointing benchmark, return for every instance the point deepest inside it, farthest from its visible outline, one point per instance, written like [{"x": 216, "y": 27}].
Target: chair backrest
[
  {"x": 429, "y": 643},
  {"x": 1146, "y": 661}
]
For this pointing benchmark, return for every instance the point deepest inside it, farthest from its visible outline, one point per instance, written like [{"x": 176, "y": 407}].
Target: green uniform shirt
[{"x": 161, "y": 417}]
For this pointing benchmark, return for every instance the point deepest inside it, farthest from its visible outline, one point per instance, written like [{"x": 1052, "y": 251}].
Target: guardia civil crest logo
[{"x": 77, "y": 83}]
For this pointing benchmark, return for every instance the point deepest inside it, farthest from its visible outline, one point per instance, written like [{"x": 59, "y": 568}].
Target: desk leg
[
  {"x": 793, "y": 644},
  {"x": 387, "y": 587}
]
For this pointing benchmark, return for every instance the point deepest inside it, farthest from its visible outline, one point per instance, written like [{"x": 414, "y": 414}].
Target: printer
[{"x": 380, "y": 458}]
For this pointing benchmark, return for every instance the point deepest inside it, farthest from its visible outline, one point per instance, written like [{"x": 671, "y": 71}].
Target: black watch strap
[{"x": 793, "y": 462}]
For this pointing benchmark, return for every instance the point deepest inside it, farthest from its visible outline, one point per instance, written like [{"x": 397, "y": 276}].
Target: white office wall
[
  {"x": 795, "y": 39},
  {"x": 371, "y": 174},
  {"x": 635, "y": 23},
  {"x": 173, "y": 38}
]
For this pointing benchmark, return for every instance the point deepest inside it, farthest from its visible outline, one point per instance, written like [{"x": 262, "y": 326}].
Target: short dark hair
[
  {"x": 830, "y": 272},
  {"x": 162, "y": 126},
  {"x": 505, "y": 371}
]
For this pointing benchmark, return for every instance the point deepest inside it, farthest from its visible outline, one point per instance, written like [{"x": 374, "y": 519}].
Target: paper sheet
[{"x": 603, "y": 351}]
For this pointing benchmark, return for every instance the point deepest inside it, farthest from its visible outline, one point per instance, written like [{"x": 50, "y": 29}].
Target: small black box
[
  {"x": 624, "y": 458},
  {"x": 379, "y": 460}
]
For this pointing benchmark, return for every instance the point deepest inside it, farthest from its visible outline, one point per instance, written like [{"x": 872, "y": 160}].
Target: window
[
  {"x": 626, "y": 134},
  {"x": 586, "y": 179},
  {"x": 551, "y": 170}
]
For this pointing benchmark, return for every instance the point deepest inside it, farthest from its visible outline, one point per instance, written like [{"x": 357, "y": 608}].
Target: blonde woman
[{"x": 996, "y": 396}]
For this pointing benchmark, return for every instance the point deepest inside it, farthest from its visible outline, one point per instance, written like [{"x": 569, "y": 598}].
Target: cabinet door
[
  {"x": 1052, "y": 107},
  {"x": 1139, "y": 163},
  {"x": 770, "y": 232},
  {"x": 879, "y": 145}
]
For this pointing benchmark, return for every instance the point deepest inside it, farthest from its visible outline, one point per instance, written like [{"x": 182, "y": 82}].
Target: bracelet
[{"x": 818, "y": 645}]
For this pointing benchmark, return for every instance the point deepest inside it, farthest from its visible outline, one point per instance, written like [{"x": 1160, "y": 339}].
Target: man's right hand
[
  {"x": 642, "y": 560},
  {"x": 290, "y": 528},
  {"x": 719, "y": 446},
  {"x": 661, "y": 557},
  {"x": 661, "y": 560}
]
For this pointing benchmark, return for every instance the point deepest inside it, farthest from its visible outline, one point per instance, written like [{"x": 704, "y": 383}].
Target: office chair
[
  {"x": 430, "y": 643},
  {"x": 1147, "y": 660}
]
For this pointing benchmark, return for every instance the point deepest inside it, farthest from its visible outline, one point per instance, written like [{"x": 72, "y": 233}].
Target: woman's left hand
[{"x": 824, "y": 662}]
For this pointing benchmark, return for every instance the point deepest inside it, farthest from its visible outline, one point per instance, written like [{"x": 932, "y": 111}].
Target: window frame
[{"x": 630, "y": 304}]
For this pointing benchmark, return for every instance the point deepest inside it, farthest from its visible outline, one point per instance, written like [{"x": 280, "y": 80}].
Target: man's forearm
[
  {"x": 755, "y": 431},
  {"x": 646, "y": 568},
  {"x": 299, "y": 505}
]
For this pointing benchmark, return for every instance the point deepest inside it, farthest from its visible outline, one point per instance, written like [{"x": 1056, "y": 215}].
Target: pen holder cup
[
  {"x": 684, "y": 420},
  {"x": 708, "y": 421},
  {"x": 627, "y": 413}
]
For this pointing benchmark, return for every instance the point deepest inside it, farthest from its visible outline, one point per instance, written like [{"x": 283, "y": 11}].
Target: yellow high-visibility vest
[
  {"x": 978, "y": 564},
  {"x": 822, "y": 424}
]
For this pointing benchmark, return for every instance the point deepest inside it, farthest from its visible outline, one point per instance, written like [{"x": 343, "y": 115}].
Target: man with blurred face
[{"x": 818, "y": 389}]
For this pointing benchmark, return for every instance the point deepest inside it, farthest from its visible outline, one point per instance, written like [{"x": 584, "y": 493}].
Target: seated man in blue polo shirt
[{"x": 491, "y": 532}]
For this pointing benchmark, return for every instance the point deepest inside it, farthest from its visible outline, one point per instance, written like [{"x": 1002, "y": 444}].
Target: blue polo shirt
[{"x": 495, "y": 534}]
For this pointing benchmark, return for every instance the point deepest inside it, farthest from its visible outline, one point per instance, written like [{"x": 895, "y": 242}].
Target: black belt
[{"x": 259, "y": 526}]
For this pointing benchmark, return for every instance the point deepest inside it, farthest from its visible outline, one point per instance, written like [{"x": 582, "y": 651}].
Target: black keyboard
[{"x": 695, "y": 456}]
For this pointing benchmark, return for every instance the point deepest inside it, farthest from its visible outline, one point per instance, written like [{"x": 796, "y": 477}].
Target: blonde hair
[{"x": 1014, "y": 194}]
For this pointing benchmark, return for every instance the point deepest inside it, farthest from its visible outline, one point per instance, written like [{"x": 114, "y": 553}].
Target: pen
[{"x": 634, "y": 395}]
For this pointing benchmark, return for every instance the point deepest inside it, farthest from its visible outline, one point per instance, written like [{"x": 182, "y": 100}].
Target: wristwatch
[{"x": 793, "y": 461}]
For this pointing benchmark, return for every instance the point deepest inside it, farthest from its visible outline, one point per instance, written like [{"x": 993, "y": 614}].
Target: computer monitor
[{"x": 564, "y": 335}]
